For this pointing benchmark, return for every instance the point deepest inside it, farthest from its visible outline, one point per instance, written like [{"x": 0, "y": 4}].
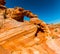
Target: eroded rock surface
[{"x": 25, "y": 37}]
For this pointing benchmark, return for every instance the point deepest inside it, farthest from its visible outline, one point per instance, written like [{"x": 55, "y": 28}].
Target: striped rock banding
[{"x": 25, "y": 37}]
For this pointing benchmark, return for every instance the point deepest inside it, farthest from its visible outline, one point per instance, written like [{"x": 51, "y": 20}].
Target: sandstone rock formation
[
  {"x": 2, "y": 2},
  {"x": 25, "y": 37}
]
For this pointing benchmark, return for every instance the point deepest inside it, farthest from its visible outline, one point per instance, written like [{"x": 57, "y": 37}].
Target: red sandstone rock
[{"x": 26, "y": 37}]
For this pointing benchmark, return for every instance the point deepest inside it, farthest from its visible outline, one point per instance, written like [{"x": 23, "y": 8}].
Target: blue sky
[{"x": 47, "y": 10}]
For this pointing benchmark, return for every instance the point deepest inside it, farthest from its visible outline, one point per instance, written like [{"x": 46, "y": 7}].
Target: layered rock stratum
[{"x": 18, "y": 36}]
